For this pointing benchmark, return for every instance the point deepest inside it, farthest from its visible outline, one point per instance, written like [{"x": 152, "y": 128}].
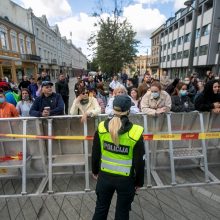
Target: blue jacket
[{"x": 55, "y": 102}]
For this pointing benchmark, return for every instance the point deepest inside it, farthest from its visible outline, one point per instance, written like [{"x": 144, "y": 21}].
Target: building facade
[
  {"x": 17, "y": 51},
  {"x": 29, "y": 45},
  {"x": 141, "y": 65},
  {"x": 156, "y": 51},
  {"x": 176, "y": 41}
]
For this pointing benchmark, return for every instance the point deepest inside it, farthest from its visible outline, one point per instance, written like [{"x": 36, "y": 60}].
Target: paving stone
[
  {"x": 13, "y": 207},
  {"x": 28, "y": 210}
]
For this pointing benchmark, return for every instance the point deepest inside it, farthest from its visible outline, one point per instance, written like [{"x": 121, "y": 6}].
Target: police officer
[{"x": 117, "y": 161}]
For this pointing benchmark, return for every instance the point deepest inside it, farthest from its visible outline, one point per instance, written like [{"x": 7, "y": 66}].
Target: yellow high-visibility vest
[{"x": 118, "y": 159}]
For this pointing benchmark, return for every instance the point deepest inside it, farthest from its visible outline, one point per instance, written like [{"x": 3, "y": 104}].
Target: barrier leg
[
  {"x": 50, "y": 168},
  {"x": 86, "y": 154},
  {"x": 24, "y": 153},
  {"x": 204, "y": 150},
  {"x": 147, "y": 154},
  {"x": 173, "y": 178}
]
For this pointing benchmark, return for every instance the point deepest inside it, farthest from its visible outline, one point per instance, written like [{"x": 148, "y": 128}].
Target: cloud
[
  {"x": 152, "y": 1},
  {"x": 53, "y": 9},
  {"x": 144, "y": 22},
  {"x": 81, "y": 27},
  {"x": 179, "y": 4}
]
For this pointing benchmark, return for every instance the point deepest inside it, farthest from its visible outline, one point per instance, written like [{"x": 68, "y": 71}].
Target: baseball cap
[
  {"x": 47, "y": 83},
  {"x": 122, "y": 103}
]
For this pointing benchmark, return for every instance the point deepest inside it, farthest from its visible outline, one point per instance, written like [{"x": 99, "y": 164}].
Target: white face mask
[{"x": 155, "y": 95}]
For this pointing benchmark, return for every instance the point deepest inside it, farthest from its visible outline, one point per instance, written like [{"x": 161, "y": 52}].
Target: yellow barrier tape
[
  {"x": 166, "y": 137},
  {"x": 213, "y": 135}
]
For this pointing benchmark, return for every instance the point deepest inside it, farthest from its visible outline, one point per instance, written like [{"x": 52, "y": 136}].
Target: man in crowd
[
  {"x": 62, "y": 88},
  {"x": 48, "y": 103},
  {"x": 25, "y": 83},
  {"x": 7, "y": 110}
]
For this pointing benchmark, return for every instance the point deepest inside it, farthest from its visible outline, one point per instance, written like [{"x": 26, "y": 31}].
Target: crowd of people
[{"x": 35, "y": 97}]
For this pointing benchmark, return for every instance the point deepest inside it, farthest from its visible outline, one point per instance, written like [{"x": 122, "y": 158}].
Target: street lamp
[{"x": 189, "y": 3}]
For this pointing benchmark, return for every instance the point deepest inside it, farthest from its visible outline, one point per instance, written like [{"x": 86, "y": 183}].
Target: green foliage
[{"x": 114, "y": 44}]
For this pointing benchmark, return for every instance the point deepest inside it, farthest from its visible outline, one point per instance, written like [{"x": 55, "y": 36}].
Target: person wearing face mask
[
  {"x": 155, "y": 101},
  {"x": 7, "y": 110},
  {"x": 180, "y": 99},
  {"x": 191, "y": 83},
  {"x": 25, "y": 104},
  {"x": 85, "y": 105}
]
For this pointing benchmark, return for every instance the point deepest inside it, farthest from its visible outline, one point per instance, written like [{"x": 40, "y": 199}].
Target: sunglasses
[{"x": 84, "y": 93}]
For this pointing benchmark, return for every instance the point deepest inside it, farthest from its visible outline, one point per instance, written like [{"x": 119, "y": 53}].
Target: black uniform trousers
[
  {"x": 66, "y": 103},
  {"x": 107, "y": 184}
]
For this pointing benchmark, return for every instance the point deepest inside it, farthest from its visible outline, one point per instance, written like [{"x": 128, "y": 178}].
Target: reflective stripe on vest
[{"x": 118, "y": 159}]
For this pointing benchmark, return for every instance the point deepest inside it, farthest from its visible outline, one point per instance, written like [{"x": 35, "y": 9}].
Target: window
[
  {"x": 185, "y": 53},
  {"x": 196, "y": 52},
  {"x": 21, "y": 42},
  {"x": 205, "y": 30},
  {"x": 187, "y": 38},
  {"x": 28, "y": 45},
  {"x": 168, "y": 57},
  {"x": 180, "y": 40},
  {"x": 164, "y": 46},
  {"x": 14, "y": 44},
  {"x": 164, "y": 59},
  {"x": 182, "y": 22},
  {"x": 37, "y": 32},
  {"x": 3, "y": 37},
  {"x": 179, "y": 55},
  {"x": 39, "y": 52},
  {"x": 42, "y": 35},
  {"x": 174, "y": 43},
  {"x": 168, "y": 45},
  {"x": 198, "y": 33},
  {"x": 173, "y": 56},
  {"x": 208, "y": 5},
  {"x": 189, "y": 18},
  {"x": 203, "y": 50},
  {"x": 175, "y": 26}
]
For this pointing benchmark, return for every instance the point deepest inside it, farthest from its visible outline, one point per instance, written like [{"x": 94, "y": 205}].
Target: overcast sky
[{"x": 75, "y": 16}]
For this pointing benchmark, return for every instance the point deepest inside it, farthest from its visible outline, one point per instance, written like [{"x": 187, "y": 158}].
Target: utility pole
[{"x": 193, "y": 34}]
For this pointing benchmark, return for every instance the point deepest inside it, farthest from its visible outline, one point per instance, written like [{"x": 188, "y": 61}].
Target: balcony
[
  {"x": 30, "y": 57},
  {"x": 53, "y": 61}
]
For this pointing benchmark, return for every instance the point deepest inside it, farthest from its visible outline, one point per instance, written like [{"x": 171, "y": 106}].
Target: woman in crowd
[
  {"x": 134, "y": 97},
  {"x": 100, "y": 101},
  {"x": 24, "y": 105},
  {"x": 180, "y": 99},
  {"x": 85, "y": 105},
  {"x": 155, "y": 101},
  {"x": 209, "y": 98},
  {"x": 119, "y": 90}
]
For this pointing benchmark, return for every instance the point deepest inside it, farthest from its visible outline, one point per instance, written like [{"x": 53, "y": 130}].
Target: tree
[{"x": 114, "y": 44}]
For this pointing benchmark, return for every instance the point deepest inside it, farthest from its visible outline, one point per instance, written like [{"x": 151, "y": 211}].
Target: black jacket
[
  {"x": 178, "y": 104},
  {"x": 138, "y": 163},
  {"x": 204, "y": 101},
  {"x": 62, "y": 88}
]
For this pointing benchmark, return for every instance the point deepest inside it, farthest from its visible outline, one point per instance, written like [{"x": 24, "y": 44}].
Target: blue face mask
[
  {"x": 183, "y": 92},
  {"x": 155, "y": 95},
  {"x": 2, "y": 100}
]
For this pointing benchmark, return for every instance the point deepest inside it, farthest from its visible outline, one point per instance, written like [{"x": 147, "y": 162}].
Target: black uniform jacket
[{"x": 138, "y": 162}]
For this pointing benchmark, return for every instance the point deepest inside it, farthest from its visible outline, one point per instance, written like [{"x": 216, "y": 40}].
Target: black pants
[
  {"x": 105, "y": 188},
  {"x": 66, "y": 103}
]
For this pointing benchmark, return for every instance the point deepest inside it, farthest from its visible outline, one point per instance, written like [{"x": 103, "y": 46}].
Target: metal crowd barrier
[{"x": 61, "y": 145}]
